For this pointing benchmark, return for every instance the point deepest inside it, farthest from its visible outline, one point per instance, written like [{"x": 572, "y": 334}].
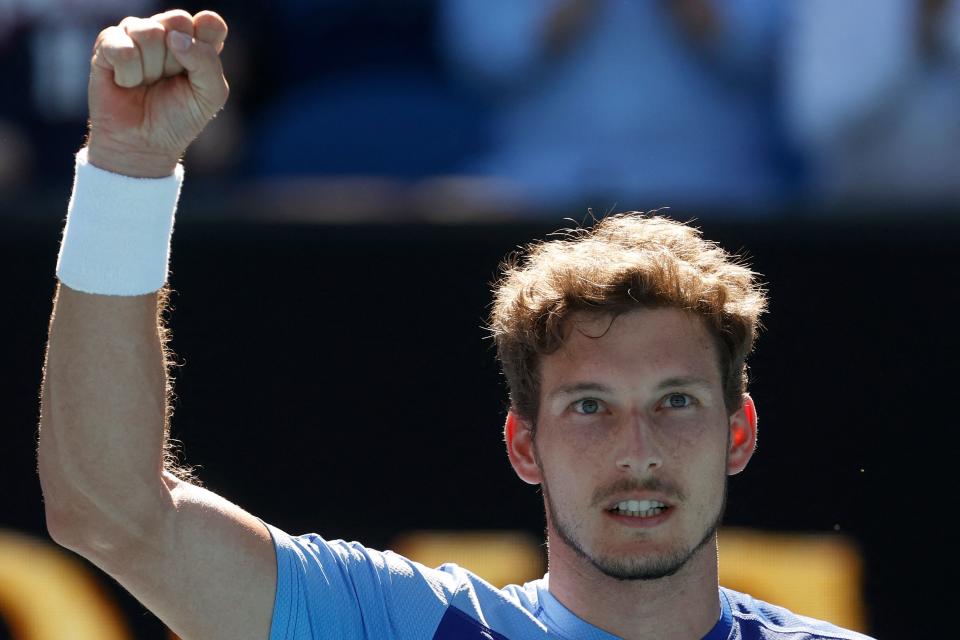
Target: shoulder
[
  {"x": 363, "y": 592},
  {"x": 761, "y": 620},
  {"x": 367, "y": 571}
]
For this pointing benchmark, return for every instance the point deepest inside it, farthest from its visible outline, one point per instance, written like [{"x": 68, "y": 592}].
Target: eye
[
  {"x": 677, "y": 401},
  {"x": 587, "y": 406}
]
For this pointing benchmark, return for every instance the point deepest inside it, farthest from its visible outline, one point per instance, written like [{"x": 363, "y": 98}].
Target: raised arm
[{"x": 201, "y": 564}]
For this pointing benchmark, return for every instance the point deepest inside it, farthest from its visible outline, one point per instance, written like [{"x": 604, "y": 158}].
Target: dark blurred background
[{"x": 342, "y": 218}]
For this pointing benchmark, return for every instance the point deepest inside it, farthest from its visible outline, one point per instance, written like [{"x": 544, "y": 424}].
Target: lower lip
[{"x": 641, "y": 523}]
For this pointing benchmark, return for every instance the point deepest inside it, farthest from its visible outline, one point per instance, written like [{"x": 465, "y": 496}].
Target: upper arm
[
  {"x": 206, "y": 567},
  {"x": 345, "y": 591},
  {"x": 210, "y": 570}
]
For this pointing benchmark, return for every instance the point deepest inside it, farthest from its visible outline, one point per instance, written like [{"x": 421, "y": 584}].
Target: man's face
[{"x": 632, "y": 441}]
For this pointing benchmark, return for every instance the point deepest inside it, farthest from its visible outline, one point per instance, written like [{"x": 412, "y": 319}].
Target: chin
[
  {"x": 652, "y": 565},
  {"x": 656, "y": 553},
  {"x": 642, "y": 559},
  {"x": 647, "y": 567}
]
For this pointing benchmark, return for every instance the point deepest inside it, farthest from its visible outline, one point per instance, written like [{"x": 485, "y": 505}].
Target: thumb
[{"x": 203, "y": 67}]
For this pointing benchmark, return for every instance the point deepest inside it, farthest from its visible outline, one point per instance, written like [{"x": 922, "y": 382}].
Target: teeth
[
  {"x": 639, "y": 508},
  {"x": 642, "y": 514},
  {"x": 639, "y": 505}
]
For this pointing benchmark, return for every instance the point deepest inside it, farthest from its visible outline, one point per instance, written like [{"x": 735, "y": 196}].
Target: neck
[{"x": 682, "y": 606}]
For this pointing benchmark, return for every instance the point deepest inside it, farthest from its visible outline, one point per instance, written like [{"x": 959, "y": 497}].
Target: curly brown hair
[{"x": 623, "y": 262}]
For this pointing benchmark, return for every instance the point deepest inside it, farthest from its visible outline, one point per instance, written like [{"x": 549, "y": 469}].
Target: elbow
[
  {"x": 104, "y": 538},
  {"x": 66, "y": 527},
  {"x": 96, "y": 510},
  {"x": 57, "y": 508},
  {"x": 67, "y": 524},
  {"x": 96, "y": 526},
  {"x": 64, "y": 531},
  {"x": 61, "y": 511},
  {"x": 96, "y": 544}
]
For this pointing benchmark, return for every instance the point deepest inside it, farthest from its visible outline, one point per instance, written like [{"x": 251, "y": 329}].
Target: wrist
[
  {"x": 127, "y": 162},
  {"x": 117, "y": 236}
]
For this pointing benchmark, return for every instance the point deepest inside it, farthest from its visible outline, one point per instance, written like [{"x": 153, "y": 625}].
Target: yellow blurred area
[
  {"x": 499, "y": 557},
  {"x": 816, "y": 575},
  {"x": 47, "y": 594}
]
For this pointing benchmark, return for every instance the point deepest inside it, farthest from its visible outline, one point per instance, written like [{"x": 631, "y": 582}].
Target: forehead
[{"x": 648, "y": 343}]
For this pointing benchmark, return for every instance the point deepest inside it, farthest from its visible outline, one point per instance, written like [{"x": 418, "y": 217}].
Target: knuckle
[
  {"x": 151, "y": 33},
  {"x": 212, "y": 17},
  {"x": 210, "y": 26},
  {"x": 146, "y": 34},
  {"x": 176, "y": 19},
  {"x": 110, "y": 34},
  {"x": 125, "y": 54},
  {"x": 176, "y": 13},
  {"x": 100, "y": 39}
]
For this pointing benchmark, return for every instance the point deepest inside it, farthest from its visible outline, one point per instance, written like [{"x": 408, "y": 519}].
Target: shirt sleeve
[{"x": 336, "y": 589}]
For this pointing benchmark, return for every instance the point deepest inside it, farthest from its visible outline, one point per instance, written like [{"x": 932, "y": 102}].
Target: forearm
[
  {"x": 103, "y": 413},
  {"x": 205, "y": 566}
]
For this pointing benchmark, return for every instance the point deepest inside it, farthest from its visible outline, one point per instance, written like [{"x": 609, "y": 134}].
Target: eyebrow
[
  {"x": 572, "y": 389},
  {"x": 677, "y": 381},
  {"x": 685, "y": 381}
]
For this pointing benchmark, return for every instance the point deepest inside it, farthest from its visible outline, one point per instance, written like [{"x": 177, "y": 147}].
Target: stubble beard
[{"x": 634, "y": 568}]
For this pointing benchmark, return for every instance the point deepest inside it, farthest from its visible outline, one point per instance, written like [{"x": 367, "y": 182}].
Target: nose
[{"x": 637, "y": 447}]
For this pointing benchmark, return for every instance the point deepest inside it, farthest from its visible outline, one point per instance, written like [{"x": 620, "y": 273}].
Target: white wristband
[{"x": 117, "y": 237}]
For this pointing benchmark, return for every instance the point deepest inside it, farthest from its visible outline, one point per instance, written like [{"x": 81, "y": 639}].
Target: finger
[
  {"x": 174, "y": 20},
  {"x": 116, "y": 52},
  {"x": 203, "y": 67},
  {"x": 149, "y": 37},
  {"x": 209, "y": 27}
]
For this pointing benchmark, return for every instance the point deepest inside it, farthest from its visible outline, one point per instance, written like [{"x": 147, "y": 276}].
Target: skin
[
  {"x": 203, "y": 565},
  {"x": 148, "y": 100},
  {"x": 634, "y": 410}
]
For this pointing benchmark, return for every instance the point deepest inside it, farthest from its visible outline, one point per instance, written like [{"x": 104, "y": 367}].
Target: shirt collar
[{"x": 568, "y": 625}]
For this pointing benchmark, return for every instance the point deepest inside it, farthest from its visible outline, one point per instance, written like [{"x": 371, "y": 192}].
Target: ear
[
  {"x": 518, "y": 435},
  {"x": 743, "y": 436}
]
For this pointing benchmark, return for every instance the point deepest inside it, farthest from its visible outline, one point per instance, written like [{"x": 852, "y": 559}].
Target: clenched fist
[{"x": 154, "y": 84}]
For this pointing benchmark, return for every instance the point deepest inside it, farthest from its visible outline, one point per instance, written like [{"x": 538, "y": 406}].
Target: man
[{"x": 624, "y": 349}]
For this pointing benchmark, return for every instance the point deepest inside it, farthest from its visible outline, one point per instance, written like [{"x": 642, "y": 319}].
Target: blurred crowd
[{"x": 749, "y": 107}]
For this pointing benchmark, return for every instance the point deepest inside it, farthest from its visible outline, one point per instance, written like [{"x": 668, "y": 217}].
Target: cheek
[
  {"x": 569, "y": 467},
  {"x": 712, "y": 476},
  {"x": 687, "y": 439},
  {"x": 700, "y": 453},
  {"x": 571, "y": 442}
]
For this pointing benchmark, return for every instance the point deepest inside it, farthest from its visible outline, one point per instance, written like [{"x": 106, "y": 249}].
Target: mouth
[{"x": 640, "y": 509}]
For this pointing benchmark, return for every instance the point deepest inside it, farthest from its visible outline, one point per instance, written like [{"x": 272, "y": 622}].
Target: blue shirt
[{"x": 340, "y": 589}]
